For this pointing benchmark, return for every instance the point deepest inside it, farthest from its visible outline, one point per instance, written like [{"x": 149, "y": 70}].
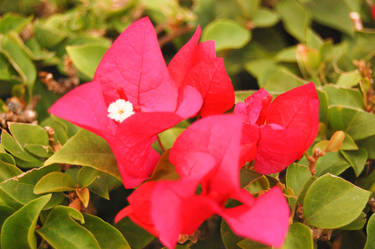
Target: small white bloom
[{"x": 120, "y": 110}]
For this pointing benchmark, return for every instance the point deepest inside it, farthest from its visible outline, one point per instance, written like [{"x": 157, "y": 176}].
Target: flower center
[{"x": 120, "y": 110}]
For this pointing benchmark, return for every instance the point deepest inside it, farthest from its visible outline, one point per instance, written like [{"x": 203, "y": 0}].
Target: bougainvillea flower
[
  {"x": 131, "y": 99},
  {"x": 207, "y": 153},
  {"x": 277, "y": 133},
  {"x": 196, "y": 64}
]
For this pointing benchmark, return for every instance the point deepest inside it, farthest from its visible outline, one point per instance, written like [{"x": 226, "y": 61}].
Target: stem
[{"x": 160, "y": 144}]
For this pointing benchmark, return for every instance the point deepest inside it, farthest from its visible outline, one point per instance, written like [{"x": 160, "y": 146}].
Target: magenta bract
[
  {"x": 277, "y": 133},
  {"x": 133, "y": 70},
  {"x": 207, "y": 153}
]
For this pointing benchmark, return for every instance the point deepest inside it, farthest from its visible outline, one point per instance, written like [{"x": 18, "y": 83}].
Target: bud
[
  {"x": 336, "y": 141},
  {"x": 308, "y": 59}
]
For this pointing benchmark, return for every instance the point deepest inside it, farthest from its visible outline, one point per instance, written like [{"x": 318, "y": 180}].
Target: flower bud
[{"x": 336, "y": 141}]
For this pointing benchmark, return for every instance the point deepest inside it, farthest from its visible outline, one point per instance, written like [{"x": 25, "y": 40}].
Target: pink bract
[
  {"x": 133, "y": 69},
  {"x": 207, "y": 153},
  {"x": 277, "y": 133}
]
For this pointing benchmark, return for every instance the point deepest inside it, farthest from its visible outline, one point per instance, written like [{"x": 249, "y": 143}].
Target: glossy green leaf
[
  {"x": 370, "y": 243},
  {"x": 103, "y": 184},
  {"x": 107, "y": 235},
  {"x": 369, "y": 145},
  {"x": 343, "y": 96},
  {"x": 264, "y": 18},
  {"x": 297, "y": 175},
  {"x": 361, "y": 126},
  {"x": 28, "y": 134},
  {"x": 54, "y": 182},
  {"x": 333, "y": 202},
  {"x": 164, "y": 170},
  {"x": 87, "y": 57},
  {"x": 38, "y": 150},
  {"x": 134, "y": 234},
  {"x": 299, "y": 236},
  {"x": 295, "y": 18},
  {"x": 349, "y": 79},
  {"x": 168, "y": 137},
  {"x": 61, "y": 230},
  {"x": 340, "y": 117},
  {"x": 227, "y": 34},
  {"x": 13, "y": 146},
  {"x": 21, "y": 62},
  {"x": 48, "y": 37},
  {"x": 288, "y": 54},
  {"x": 86, "y": 176},
  {"x": 349, "y": 143},
  {"x": 229, "y": 239},
  {"x": 87, "y": 149},
  {"x": 272, "y": 77},
  {"x": 18, "y": 230},
  {"x": 249, "y": 244},
  {"x": 357, "y": 159},
  {"x": 14, "y": 22},
  {"x": 8, "y": 168},
  {"x": 331, "y": 162},
  {"x": 333, "y": 13},
  {"x": 17, "y": 191},
  {"x": 356, "y": 224}
]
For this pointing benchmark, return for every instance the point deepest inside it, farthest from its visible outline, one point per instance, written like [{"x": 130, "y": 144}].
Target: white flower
[{"x": 120, "y": 110}]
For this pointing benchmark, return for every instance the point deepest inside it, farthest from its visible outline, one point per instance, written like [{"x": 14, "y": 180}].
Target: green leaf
[
  {"x": 62, "y": 232},
  {"x": 107, "y": 235},
  {"x": 295, "y": 18},
  {"x": 249, "y": 244},
  {"x": 339, "y": 116},
  {"x": 60, "y": 129},
  {"x": 370, "y": 243},
  {"x": 7, "y": 169},
  {"x": 13, "y": 146},
  {"x": 349, "y": 79},
  {"x": 349, "y": 143},
  {"x": 333, "y": 13},
  {"x": 168, "y": 137},
  {"x": 18, "y": 229},
  {"x": 299, "y": 236},
  {"x": 86, "y": 176},
  {"x": 343, "y": 96},
  {"x": 164, "y": 170},
  {"x": 13, "y": 22},
  {"x": 134, "y": 234},
  {"x": 361, "y": 125},
  {"x": 103, "y": 184},
  {"x": 331, "y": 162},
  {"x": 264, "y": 18},
  {"x": 323, "y": 105},
  {"x": 43, "y": 151},
  {"x": 241, "y": 95},
  {"x": 369, "y": 145},
  {"x": 48, "y": 37},
  {"x": 288, "y": 54},
  {"x": 297, "y": 175},
  {"x": 356, "y": 224},
  {"x": 229, "y": 239},
  {"x": 332, "y": 202},
  {"x": 87, "y": 57},
  {"x": 273, "y": 77},
  {"x": 54, "y": 182},
  {"x": 21, "y": 62},
  {"x": 357, "y": 159},
  {"x": 17, "y": 191},
  {"x": 227, "y": 34},
  {"x": 28, "y": 134},
  {"x": 87, "y": 149}
]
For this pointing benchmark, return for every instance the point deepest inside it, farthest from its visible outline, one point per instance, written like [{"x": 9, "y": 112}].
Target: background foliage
[{"x": 60, "y": 187}]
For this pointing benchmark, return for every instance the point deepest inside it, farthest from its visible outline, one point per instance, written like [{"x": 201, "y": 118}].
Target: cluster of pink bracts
[{"x": 209, "y": 153}]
